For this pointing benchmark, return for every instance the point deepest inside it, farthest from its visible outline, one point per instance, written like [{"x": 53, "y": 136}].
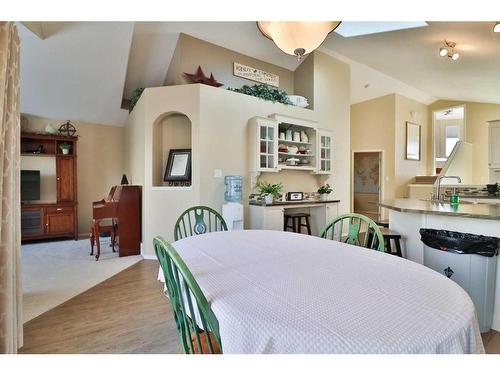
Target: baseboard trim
[{"x": 149, "y": 257}]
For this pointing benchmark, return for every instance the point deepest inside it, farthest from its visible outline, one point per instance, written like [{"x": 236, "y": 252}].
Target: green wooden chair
[
  {"x": 361, "y": 231},
  {"x": 198, "y": 220},
  {"x": 188, "y": 302}
]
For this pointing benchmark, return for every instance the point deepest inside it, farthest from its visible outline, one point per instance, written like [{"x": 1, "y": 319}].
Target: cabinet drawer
[{"x": 59, "y": 210}]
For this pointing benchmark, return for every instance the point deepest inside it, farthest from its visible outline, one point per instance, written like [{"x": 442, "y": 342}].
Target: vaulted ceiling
[{"x": 82, "y": 70}]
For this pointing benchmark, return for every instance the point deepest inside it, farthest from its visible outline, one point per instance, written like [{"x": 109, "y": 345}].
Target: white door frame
[{"x": 381, "y": 176}]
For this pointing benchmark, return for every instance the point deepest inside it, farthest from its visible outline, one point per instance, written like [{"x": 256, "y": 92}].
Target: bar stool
[
  {"x": 396, "y": 237},
  {"x": 382, "y": 223},
  {"x": 297, "y": 224}
]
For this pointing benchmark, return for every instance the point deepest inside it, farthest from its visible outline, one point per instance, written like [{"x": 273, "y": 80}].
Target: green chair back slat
[
  {"x": 200, "y": 219},
  {"x": 182, "y": 288},
  {"x": 373, "y": 237}
]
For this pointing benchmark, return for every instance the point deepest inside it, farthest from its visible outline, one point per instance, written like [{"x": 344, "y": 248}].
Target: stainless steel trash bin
[{"x": 475, "y": 273}]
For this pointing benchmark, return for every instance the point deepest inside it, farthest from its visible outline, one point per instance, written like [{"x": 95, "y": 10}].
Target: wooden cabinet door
[
  {"x": 65, "y": 179},
  {"x": 32, "y": 222},
  {"x": 59, "y": 220}
]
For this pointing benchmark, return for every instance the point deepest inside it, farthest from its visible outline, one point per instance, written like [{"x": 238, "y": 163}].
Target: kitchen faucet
[{"x": 436, "y": 195}]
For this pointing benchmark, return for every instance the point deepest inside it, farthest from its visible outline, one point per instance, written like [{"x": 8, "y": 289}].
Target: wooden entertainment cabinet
[{"x": 60, "y": 218}]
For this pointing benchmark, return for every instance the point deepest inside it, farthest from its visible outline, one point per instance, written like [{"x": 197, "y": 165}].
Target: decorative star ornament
[{"x": 200, "y": 77}]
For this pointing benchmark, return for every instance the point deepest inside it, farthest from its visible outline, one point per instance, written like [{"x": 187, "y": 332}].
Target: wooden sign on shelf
[{"x": 257, "y": 75}]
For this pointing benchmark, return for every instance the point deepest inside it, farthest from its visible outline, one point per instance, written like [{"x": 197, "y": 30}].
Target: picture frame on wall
[
  {"x": 413, "y": 141},
  {"x": 178, "y": 167}
]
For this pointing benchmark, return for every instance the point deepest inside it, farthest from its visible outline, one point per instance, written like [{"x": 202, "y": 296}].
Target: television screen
[{"x": 30, "y": 185}]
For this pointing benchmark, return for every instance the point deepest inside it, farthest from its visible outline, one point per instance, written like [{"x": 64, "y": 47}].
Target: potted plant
[
  {"x": 324, "y": 191},
  {"x": 269, "y": 191},
  {"x": 65, "y": 147}
]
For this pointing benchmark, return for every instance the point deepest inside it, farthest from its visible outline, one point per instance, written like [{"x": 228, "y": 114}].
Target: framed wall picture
[
  {"x": 413, "y": 141},
  {"x": 178, "y": 166}
]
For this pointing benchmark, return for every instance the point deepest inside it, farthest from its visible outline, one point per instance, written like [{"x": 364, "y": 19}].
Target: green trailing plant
[
  {"x": 65, "y": 146},
  {"x": 266, "y": 188},
  {"x": 325, "y": 189},
  {"x": 264, "y": 92},
  {"x": 134, "y": 98}
]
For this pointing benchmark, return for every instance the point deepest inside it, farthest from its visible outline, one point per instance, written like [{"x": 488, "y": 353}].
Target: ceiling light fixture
[
  {"x": 496, "y": 28},
  {"x": 448, "y": 49},
  {"x": 297, "y": 38}
]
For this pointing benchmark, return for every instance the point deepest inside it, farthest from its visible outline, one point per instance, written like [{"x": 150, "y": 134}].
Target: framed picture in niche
[
  {"x": 178, "y": 168},
  {"x": 413, "y": 141}
]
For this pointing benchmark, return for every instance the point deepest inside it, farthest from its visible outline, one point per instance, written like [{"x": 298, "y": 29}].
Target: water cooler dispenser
[{"x": 232, "y": 209}]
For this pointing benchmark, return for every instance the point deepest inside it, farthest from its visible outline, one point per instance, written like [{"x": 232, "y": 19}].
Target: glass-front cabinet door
[
  {"x": 267, "y": 150},
  {"x": 324, "y": 152}
]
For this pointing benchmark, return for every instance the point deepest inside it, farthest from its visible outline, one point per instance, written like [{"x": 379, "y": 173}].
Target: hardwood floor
[{"x": 125, "y": 314}]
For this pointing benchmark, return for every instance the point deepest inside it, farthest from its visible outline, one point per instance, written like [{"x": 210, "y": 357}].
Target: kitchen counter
[
  {"x": 286, "y": 203},
  {"x": 408, "y": 216},
  {"x": 470, "y": 210}
]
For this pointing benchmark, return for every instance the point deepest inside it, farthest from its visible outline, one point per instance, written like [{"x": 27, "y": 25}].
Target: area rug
[{"x": 56, "y": 271}]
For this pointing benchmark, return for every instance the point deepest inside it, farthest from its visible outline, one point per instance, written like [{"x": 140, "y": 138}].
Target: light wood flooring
[{"x": 125, "y": 314}]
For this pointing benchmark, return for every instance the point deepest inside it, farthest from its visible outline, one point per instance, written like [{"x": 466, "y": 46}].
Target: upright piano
[{"x": 123, "y": 205}]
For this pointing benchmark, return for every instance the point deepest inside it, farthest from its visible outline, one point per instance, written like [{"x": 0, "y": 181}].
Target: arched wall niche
[{"x": 171, "y": 130}]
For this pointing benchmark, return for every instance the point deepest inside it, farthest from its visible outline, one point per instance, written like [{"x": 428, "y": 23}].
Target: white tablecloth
[{"x": 280, "y": 292}]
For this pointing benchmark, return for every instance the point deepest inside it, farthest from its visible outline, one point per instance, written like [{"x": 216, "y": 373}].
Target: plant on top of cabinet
[
  {"x": 264, "y": 92},
  {"x": 269, "y": 191},
  {"x": 324, "y": 191},
  {"x": 65, "y": 147}
]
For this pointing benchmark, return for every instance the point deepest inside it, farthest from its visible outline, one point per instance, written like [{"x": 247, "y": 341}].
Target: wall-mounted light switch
[{"x": 217, "y": 173}]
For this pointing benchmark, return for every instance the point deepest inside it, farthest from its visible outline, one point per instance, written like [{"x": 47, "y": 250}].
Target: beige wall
[
  {"x": 406, "y": 170},
  {"x": 99, "y": 164},
  {"x": 191, "y": 52},
  {"x": 380, "y": 124},
  {"x": 219, "y": 120},
  {"x": 373, "y": 129},
  {"x": 477, "y": 116},
  {"x": 303, "y": 80}
]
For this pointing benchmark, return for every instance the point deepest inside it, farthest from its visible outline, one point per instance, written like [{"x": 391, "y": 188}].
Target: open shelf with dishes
[{"x": 280, "y": 142}]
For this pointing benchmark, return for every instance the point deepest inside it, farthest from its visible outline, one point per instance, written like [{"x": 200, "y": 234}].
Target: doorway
[{"x": 367, "y": 183}]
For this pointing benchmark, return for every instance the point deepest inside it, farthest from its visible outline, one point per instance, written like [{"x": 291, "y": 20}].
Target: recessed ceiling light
[{"x": 496, "y": 28}]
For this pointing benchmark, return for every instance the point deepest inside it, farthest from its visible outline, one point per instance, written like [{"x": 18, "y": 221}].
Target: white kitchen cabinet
[
  {"x": 324, "y": 160},
  {"x": 271, "y": 217},
  {"x": 494, "y": 145},
  {"x": 314, "y": 145},
  {"x": 263, "y": 147}
]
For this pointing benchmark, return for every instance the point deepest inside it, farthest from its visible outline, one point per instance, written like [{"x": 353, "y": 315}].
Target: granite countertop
[
  {"x": 289, "y": 203},
  {"x": 470, "y": 210}
]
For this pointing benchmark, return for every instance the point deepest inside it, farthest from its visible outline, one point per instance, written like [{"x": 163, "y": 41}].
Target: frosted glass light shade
[
  {"x": 297, "y": 38},
  {"x": 496, "y": 28}
]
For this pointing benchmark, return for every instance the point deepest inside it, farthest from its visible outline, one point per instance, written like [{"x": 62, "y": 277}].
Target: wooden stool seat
[
  {"x": 396, "y": 237},
  {"x": 382, "y": 223},
  {"x": 297, "y": 224}
]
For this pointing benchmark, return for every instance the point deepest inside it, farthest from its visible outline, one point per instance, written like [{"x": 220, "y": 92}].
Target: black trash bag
[{"x": 460, "y": 243}]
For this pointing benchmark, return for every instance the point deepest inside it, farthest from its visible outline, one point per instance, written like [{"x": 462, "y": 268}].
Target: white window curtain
[{"x": 11, "y": 318}]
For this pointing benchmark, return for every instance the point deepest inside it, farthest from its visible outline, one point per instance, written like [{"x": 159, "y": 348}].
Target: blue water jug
[{"x": 233, "y": 189}]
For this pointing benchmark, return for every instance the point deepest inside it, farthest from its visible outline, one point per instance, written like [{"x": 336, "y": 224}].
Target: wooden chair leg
[
  {"x": 97, "y": 239},
  {"x": 398, "y": 248},
  {"x": 92, "y": 240},
  {"x": 308, "y": 225},
  {"x": 285, "y": 223},
  {"x": 388, "y": 248},
  {"x": 113, "y": 234}
]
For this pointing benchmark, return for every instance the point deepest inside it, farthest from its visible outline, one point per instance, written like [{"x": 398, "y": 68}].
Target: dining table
[{"x": 284, "y": 292}]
